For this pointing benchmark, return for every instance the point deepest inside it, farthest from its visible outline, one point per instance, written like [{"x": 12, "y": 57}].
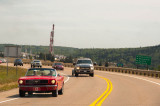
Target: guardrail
[{"x": 149, "y": 73}]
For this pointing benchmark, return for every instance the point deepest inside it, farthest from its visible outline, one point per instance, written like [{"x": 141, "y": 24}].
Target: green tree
[{"x": 159, "y": 68}]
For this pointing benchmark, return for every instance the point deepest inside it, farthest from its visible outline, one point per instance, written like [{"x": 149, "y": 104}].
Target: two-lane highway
[{"x": 127, "y": 90}]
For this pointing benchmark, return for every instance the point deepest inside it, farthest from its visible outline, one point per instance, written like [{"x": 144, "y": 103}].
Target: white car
[
  {"x": 3, "y": 60},
  {"x": 36, "y": 63}
]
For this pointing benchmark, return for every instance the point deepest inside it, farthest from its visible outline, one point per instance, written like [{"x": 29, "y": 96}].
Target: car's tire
[
  {"x": 61, "y": 91},
  {"x": 22, "y": 93},
  {"x": 30, "y": 93},
  {"x": 55, "y": 92},
  {"x": 76, "y": 74},
  {"x": 40, "y": 66},
  {"x": 92, "y": 75},
  {"x": 73, "y": 73}
]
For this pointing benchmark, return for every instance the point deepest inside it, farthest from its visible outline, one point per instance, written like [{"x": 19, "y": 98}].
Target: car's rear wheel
[
  {"x": 76, "y": 74},
  {"x": 61, "y": 91},
  {"x": 55, "y": 92},
  {"x": 72, "y": 73},
  {"x": 21, "y": 93},
  {"x": 30, "y": 93}
]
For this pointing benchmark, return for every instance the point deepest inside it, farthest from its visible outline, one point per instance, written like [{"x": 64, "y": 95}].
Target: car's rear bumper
[
  {"x": 36, "y": 88},
  {"x": 59, "y": 68}
]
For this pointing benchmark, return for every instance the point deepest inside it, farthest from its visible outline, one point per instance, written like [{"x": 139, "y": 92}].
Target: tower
[{"x": 51, "y": 41}]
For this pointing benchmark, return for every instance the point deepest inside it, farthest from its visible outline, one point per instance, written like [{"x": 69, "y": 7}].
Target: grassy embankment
[{"x": 10, "y": 81}]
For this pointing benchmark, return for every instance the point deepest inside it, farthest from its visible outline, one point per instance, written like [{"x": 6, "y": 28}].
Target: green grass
[{"x": 10, "y": 81}]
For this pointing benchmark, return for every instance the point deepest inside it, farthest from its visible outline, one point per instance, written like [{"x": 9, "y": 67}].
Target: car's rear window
[
  {"x": 18, "y": 60},
  {"x": 36, "y": 61},
  {"x": 58, "y": 63},
  {"x": 41, "y": 72}
]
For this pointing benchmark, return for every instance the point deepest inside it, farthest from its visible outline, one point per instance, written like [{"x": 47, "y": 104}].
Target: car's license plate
[{"x": 36, "y": 89}]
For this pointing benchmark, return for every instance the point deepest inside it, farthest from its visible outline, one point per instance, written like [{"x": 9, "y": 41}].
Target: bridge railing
[{"x": 149, "y": 73}]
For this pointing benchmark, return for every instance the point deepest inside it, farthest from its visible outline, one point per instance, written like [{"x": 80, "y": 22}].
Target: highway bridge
[{"x": 107, "y": 88}]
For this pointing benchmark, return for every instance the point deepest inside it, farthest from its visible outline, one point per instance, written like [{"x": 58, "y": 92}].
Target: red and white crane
[{"x": 52, "y": 41}]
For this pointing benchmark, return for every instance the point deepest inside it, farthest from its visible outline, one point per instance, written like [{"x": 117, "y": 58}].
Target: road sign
[
  {"x": 119, "y": 64},
  {"x": 145, "y": 60}
]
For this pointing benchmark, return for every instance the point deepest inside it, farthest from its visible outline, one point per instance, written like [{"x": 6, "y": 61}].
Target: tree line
[{"x": 127, "y": 56}]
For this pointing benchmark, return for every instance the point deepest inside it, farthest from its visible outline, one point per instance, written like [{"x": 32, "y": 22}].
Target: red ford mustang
[{"x": 41, "y": 80}]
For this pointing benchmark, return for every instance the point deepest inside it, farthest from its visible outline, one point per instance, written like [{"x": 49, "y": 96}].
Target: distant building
[{"x": 59, "y": 57}]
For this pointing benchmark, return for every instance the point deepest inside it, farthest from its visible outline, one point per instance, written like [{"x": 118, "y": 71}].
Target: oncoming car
[
  {"x": 36, "y": 63},
  {"x": 83, "y": 66},
  {"x": 41, "y": 80}
]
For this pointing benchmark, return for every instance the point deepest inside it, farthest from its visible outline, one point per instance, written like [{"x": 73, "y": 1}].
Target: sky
[{"x": 81, "y": 23}]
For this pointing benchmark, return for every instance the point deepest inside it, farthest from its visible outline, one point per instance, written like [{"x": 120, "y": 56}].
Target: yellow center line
[{"x": 100, "y": 100}]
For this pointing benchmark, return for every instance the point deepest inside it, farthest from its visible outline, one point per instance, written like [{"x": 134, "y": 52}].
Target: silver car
[{"x": 36, "y": 63}]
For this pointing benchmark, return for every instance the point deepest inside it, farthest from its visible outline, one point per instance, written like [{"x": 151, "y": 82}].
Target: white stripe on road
[
  {"x": 9, "y": 100},
  {"x": 133, "y": 77},
  {"x": 67, "y": 78},
  {"x": 19, "y": 97}
]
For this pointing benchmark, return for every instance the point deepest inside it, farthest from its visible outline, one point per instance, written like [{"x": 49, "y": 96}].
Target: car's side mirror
[
  {"x": 94, "y": 63},
  {"x": 74, "y": 63}
]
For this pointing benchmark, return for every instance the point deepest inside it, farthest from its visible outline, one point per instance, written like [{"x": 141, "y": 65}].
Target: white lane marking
[
  {"x": 9, "y": 100},
  {"x": 67, "y": 78},
  {"x": 133, "y": 77},
  {"x": 19, "y": 97}
]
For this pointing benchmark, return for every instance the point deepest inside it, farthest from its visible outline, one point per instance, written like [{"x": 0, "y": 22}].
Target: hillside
[
  {"x": 42, "y": 49},
  {"x": 126, "y": 56}
]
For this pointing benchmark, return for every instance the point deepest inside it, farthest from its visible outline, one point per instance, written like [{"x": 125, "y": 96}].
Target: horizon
[{"x": 83, "y": 48}]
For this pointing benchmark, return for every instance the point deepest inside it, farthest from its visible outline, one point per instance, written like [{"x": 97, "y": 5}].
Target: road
[{"x": 125, "y": 90}]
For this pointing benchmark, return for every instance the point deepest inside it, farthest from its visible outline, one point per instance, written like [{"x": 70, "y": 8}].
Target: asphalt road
[{"x": 115, "y": 89}]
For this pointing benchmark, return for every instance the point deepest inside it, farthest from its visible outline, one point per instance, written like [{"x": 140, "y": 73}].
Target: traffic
[{"x": 44, "y": 84}]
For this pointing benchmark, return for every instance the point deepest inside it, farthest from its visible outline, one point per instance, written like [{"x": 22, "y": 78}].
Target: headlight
[
  {"x": 92, "y": 68},
  {"x": 78, "y": 68},
  {"x": 20, "y": 81},
  {"x": 53, "y": 81}
]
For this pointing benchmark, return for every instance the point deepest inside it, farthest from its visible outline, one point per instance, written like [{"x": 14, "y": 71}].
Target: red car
[
  {"x": 58, "y": 66},
  {"x": 41, "y": 80}
]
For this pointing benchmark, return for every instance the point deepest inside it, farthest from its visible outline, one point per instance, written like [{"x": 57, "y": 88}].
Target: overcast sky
[{"x": 81, "y": 23}]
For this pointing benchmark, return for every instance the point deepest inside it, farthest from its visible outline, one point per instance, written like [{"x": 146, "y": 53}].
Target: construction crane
[{"x": 51, "y": 50}]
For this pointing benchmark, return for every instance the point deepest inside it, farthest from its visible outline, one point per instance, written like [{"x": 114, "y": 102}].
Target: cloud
[{"x": 84, "y": 23}]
